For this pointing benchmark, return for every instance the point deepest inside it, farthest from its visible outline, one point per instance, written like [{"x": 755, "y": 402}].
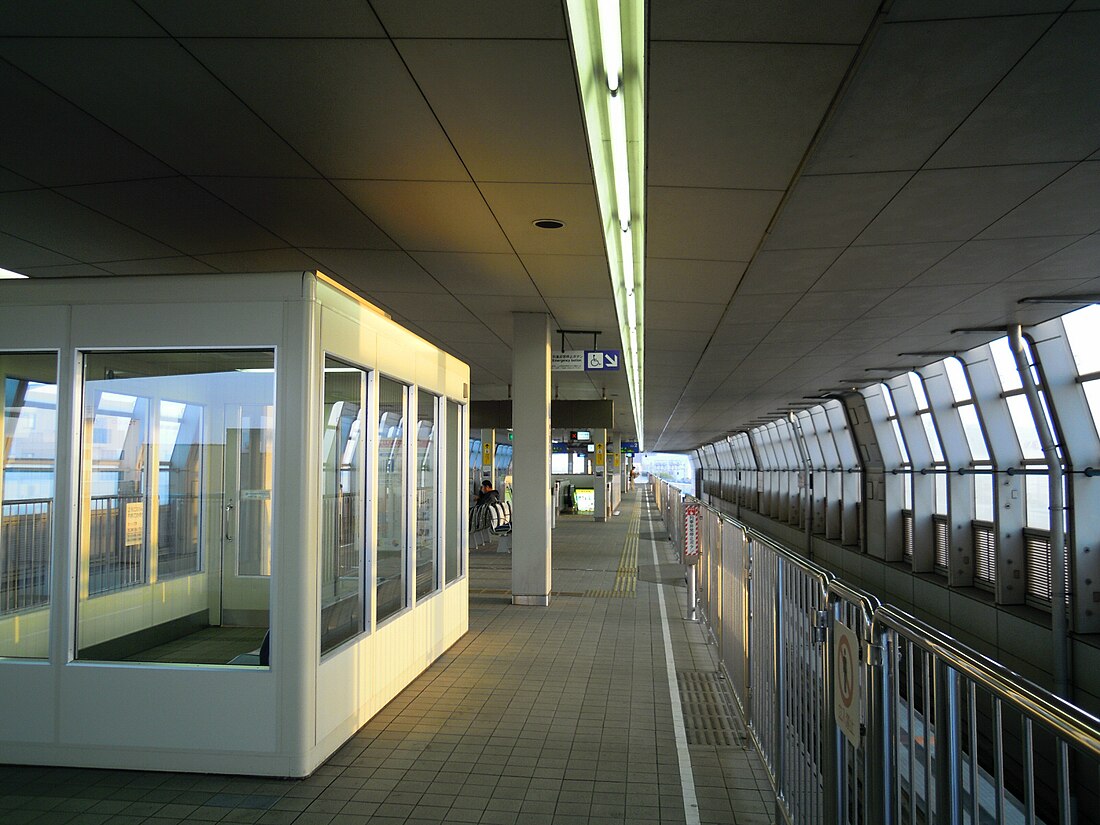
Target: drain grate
[{"x": 709, "y": 717}]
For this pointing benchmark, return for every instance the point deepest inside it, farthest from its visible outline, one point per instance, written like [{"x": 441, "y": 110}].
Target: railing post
[
  {"x": 780, "y": 693},
  {"x": 832, "y": 751},
  {"x": 947, "y": 745},
  {"x": 878, "y": 749}
]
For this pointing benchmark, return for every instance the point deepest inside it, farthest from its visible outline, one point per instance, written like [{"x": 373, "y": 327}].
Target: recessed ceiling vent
[{"x": 549, "y": 223}]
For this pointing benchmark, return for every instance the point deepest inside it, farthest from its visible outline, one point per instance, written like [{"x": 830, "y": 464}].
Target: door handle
[{"x": 228, "y": 521}]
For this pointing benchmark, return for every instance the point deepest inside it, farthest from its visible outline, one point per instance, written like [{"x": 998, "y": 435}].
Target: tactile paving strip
[{"x": 709, "y": 716}]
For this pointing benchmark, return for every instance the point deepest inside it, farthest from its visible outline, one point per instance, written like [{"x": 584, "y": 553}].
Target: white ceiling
[{"x": 829, "y": 184}]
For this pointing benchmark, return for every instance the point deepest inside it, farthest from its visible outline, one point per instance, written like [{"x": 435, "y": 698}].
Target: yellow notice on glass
[{"x": 135, "y": 522}]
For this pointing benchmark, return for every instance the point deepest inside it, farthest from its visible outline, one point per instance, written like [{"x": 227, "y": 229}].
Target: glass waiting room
[{"x": 233, "y": 519}]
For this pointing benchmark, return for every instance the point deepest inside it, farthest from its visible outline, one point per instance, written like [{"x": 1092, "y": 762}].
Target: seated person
[{"x": 487, "y": 495}]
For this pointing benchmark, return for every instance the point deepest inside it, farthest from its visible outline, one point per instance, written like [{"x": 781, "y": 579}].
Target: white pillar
[
  {"x": 531, "y": 459},
  {"x": 600, "y": 474}
]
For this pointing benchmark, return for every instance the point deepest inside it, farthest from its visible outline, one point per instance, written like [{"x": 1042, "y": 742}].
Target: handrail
[{"x": 1059, "y": 716}]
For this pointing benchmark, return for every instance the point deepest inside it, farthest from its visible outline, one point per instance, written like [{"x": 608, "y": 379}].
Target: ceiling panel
[
  {"x": 671, "y": 279},
  {"x": 1069, "y": 205},
  {"x": 16, "y": 253},
  {"x": 284, "y": 259},
  {"x": 420, "y": 307},
  {"x": 760, "y": 307},
  {"x": 786, "y": 271},
  {"x": 591, "y": 314},
  {"x": 956, "y": 204},
  {"x": 517, "y": 205},
  {"x": 572, "y": 276},
  {"x": 177, "y": 213},
  {"x": 1077, "y": 260},
  {"x": 819, "y": 305},
  {"x": 262, "y": 18},
  {"x": 55, "y": 143},
  {"x": 373, "y": 271},
  {"x": 471, "y": 273},
  {"x": 486, "y": 18},
  {"x": 682, "y": 315},
  {"x": 783, "y": 21},
  {"x": 195, "y": 125},
  {"x": 708, "y": 224},
  {"x": 882, "y": 267},
  {"x": 301, "y": 211},
  {"x": 917, "y": 82},
  {"x": 56, "y": 223},
  {"x": 312, "y": 93},
  {"x": 509, "y": 107},
  {"x": 439, "y": 216},
  {"x": 748, "y": 124},
  {"x": 179, "y": 265},
  {"x": 1044, "y": 110},
  {"x": 977, "y": 262},
  {"x": 831, "y": 210},
  {"x": 104, "y": 18}
]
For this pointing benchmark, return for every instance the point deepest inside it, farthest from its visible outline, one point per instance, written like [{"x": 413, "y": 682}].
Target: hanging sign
[
  {"x": 846, "y": 687},
  {"x": 601, "y": 359},
  {"x": 571, "y": 360}
]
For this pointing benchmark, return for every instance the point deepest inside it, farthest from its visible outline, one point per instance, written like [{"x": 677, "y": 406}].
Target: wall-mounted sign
[
  {"x": 691, "y": 533},
  {"x": 602, "y": 359},
  {"x": 846, "y": 687},
  {"x": 135, "y": 522},
  {"x": 487, "y": 454}
]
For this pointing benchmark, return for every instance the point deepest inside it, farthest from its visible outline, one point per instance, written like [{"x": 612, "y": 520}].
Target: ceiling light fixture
[
  {"x": 1088, "y": 298},
  {"x": 608, "y": 39},
  {"x": 548, "y": 223}
]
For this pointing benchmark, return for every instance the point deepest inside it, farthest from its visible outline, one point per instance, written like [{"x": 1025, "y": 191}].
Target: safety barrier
[{"x": 864, "y": 714}]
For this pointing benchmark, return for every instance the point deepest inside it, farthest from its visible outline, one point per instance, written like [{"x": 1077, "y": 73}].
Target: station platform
[{"x": 605, "y": 707}]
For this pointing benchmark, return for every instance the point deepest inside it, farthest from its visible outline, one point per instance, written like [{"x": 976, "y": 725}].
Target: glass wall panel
[
  {"x": 455, "y": 517},
  {"x": 342, "y": 503},
  {"x": 427, "y": 494},
  {"x": 390, "y": 548},
  {"x": 176, "y": 485},
  {"x": 28, "y": 460}
]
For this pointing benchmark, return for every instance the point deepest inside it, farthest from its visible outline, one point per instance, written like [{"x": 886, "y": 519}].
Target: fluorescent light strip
[
  {"x": 616, "y": 116},
  {"x": 611, "y": 42}
]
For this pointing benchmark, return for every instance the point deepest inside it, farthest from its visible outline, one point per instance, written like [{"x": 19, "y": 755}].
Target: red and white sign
[{"x": 691, "y": 530}]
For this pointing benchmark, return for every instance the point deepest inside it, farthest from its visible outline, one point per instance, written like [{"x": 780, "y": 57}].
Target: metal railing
[
  {"x": 934, "y": 731},
  {"x": 26, "y": 537},
  {"x": 112, "y": 563}
]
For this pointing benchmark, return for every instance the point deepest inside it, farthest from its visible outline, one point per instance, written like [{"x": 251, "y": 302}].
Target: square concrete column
[
  {"x": 531, "y": 458},
  {"x": 602, "y": 473}
]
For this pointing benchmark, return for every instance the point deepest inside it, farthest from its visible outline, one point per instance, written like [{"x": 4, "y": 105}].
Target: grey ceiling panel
[
  {"x": 434, "y": 216},
  {"x": 672, "y": 279},
  {"x": 882, "y": 267},
  {"x": 786, "y": 271},
  {"x": 1070, "y": 205},
  {"x": 762, "y": 307},
  {"x": 818, "y": 305},
  {"x": 573, "y": 276},
  {"x": 956, "y": 204},
  {"x": 373, "y": 271},
  {"x": 509, "y": 106},
  {"x": 56, "y": 223},
  {"x": 682, "y": 314},
  {"x": 736, "y": 115},
  {"x": 195, "y": 126},
  {"x": 487, "y": 18},
  {"x": 1044, "y": 110},
  {"x": 423, "y": 308},
  {"x": 176, "y": 212},
  {"x": 260, "y": 260},
  {"x": 977, "y": 262},
  {"x": 262, "y": 18},
  {"x": 831, "y": 210},
  {"x": 471, "y": 273},
  {"x": 312, "y": 93},
  {"x": 57, "y": 144},
  {"x": 16, "y": 253},
  {"x": 709, "y": 224},
  {"x": 784, "y": 21},
  {"x": 940, "y": 9},
  {"x": 517, "y": 205},
  {"x": 917, "y": 82},
  {"x": 919, "y": 301},
  {"x": 104, "y": 18},
  {"x": 1077, "y": 260},
  {"x": 301, "y": 211},
  {"x": 178, "y": 265}
]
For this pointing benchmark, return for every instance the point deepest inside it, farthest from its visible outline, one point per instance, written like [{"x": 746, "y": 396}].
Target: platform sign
[
  {"x": 602, "y": 360},
  {"x": 629, "y": 447},
  {"x": 567, "y": 361},
  {"x": 846, "y": 687},
  {"x": 691, "y": 533}
]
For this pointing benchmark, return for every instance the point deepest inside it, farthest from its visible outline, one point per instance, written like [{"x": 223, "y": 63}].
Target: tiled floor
[{"x": 538, "y": 716}]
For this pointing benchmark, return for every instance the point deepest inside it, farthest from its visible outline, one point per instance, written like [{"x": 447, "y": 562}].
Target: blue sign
[
  {"x": 602, "y": 359},
  {"x": 629, "y": 446}
]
